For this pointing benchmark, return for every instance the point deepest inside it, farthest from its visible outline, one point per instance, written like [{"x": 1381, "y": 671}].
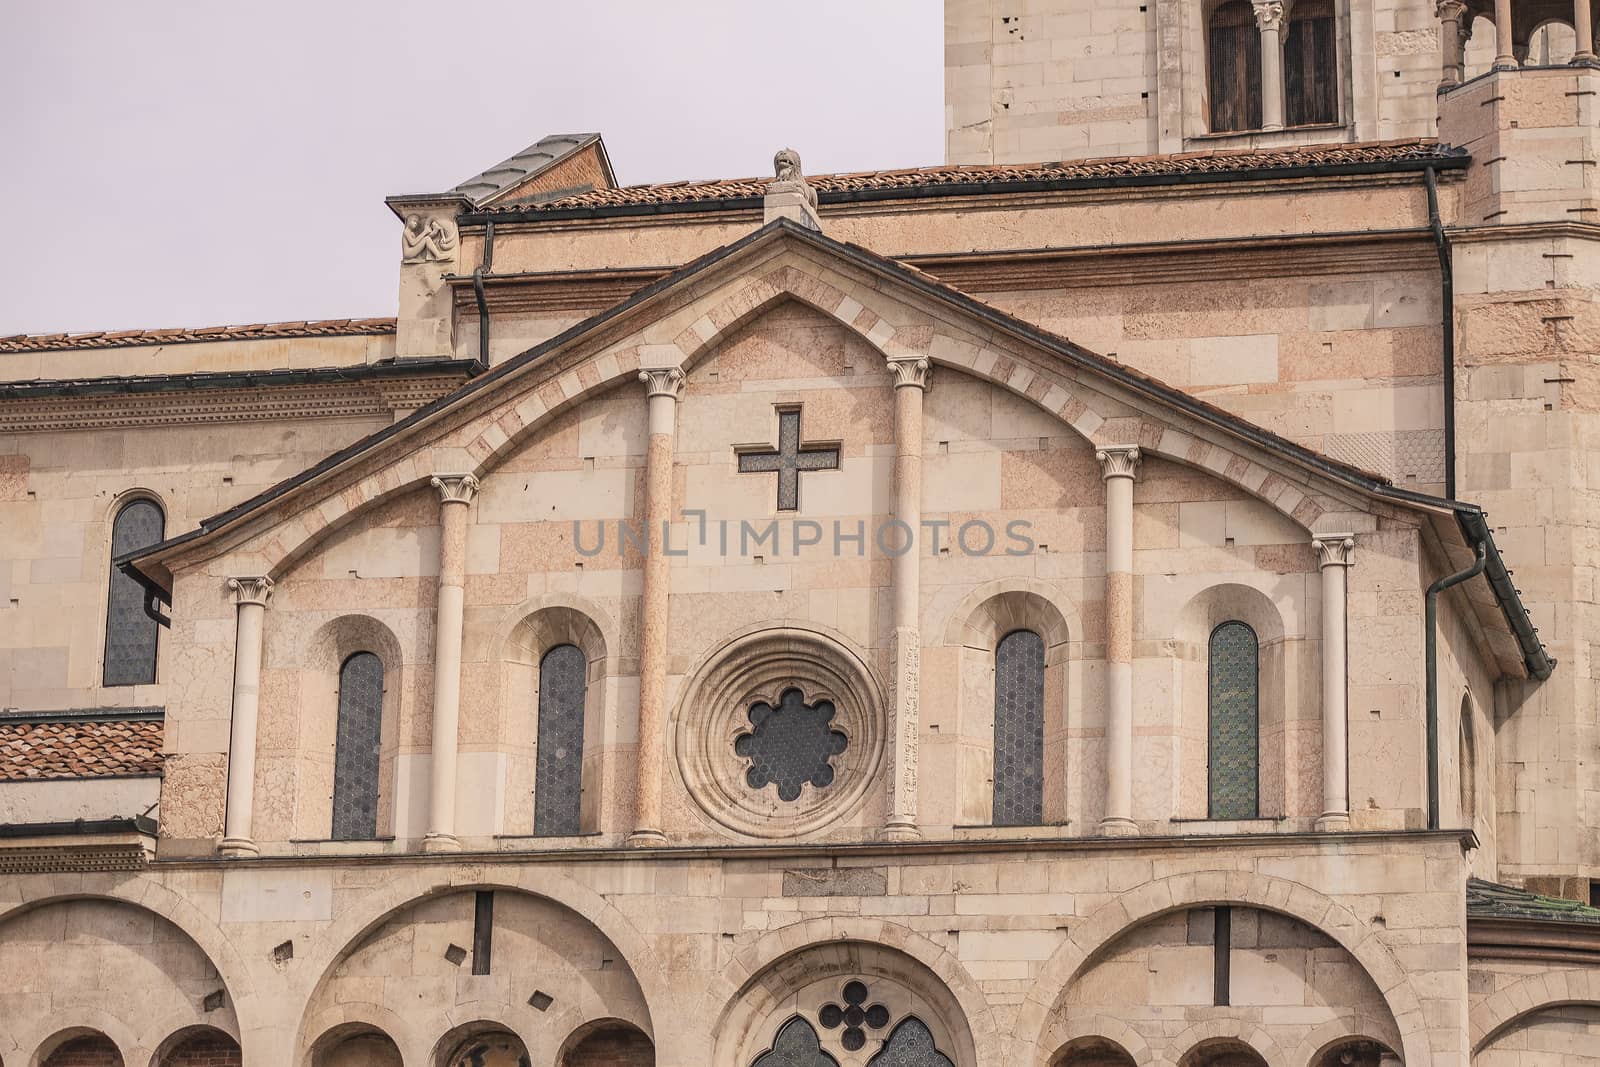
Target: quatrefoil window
[
  {"x": 853, "y": 1016},
  {"x": 790, "y": 745}
]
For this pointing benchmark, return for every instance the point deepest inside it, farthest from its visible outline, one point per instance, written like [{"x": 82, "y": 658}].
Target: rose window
[
  {"x": 790, "y": 745},
  {"x": 854, "y": 1015}
]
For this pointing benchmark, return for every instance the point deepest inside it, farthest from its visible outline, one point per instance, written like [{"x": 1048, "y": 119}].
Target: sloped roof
[
  {"x": 1188, "y": 166},
  {"x": 41, "y": 342},
  {"x": 90, "y": 747},
  {"x": 1491, "y": 900},
  {"x": 529, "y": 163}
]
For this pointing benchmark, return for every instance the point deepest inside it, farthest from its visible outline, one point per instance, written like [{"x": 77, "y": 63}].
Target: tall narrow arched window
[
  {"x": 130, "y": 633},
  {"x": 1234, "y": 689},
  {"x": 1233, "y": 67},
  {"x": 355, "y": 756},
  {"x": 558, "y": 760},
  {"x": 1467, "y": 763},
  {"x": 1310, "y": 65},
  {"x": 910, "y": 1044},
  {"x": 1019, "y": 729}
]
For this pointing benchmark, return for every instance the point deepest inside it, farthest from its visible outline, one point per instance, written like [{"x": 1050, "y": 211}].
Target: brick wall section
[
  {"x": 85, "y": 1052},
  {"x": 204, "y": 1051},
  {"x": 612, "y": 1048}
]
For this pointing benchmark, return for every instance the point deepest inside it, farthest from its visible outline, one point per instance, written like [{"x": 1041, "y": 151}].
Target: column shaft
[
  {"x": 250, "y": 595},
  {"x": 1269, "y": 20},
  {"x": 1505, "y": 52},
  {"x": 1120, "y": 465},
  {"x": 905, "y": 574},
  {"x": 1452, "y": 44},
  {"x": 1335, "y": 552},
  {"x": 663, "y": 387},
  {"x": 455, "y": 493},
  {"x": 1583, "y": 26}
]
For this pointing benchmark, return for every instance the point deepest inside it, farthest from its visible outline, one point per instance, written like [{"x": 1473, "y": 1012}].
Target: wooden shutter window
[{"x": 1234, "y": 68}]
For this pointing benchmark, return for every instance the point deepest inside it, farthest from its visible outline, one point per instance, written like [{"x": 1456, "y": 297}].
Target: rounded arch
[
  {"x": 539, "y": 623},
  {"x": 88, "y": 1022},
  {"x": 1160, "y": 896},
  {"x": 1330, "y": 1035},
  {"x": 176, "y": 1039},
  {"x": 595, "y": 1029},
  {"x": 933, "y": 972},
  {"x": 480, "y": 1018},
  {"x": 991, "y": 610},
  {"x": 151, "y": 896},
  {"x": 1099, "y": 1031},
  {"x": 356, "y": 1019},
  {"x": 335, "y": 942},
  {"x": 1535, "y": 993},
  {"x": 1226, "y": 1035}
]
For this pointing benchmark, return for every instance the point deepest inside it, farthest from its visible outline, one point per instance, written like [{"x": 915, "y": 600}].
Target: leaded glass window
[
  {"x": 790, "y": 745},
  {"x": 1234, "y": 687},
  {"x": 1019, "y": 729},
  {"x": 558, "y": 760},
  {"x": 796, "y": 1045},
  {"x": 130, "y": 633},
  {"x": 910, "y": 1045},
  {"x": 355, "y": 757}
]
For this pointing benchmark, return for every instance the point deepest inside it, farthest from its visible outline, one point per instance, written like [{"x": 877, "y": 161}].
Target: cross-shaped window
[{"x": 789, "y": 459}]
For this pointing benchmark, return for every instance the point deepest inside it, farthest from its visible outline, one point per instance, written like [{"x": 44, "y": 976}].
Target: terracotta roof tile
[
  {"x": 1213, "y": 161},
  {"x": 40, "y": 342},
  {"x": 1490, "y": 900},
  {"x": 91, "y": 748}
]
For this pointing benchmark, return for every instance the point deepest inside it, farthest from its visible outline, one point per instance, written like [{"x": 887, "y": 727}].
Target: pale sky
[{"x": 189, "y": 163}]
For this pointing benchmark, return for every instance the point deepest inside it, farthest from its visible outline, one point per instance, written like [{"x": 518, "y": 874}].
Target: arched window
[
  {"x": 1233, "y": 67},
  {"x": 355, "y": 757},
  {"x": 1310, "y": 65},
  {"x": 1467, "y": 764},
  {"x": 130, "y": 633},
  {"x": 795, "y": 1045},
  {"x": 910, "y": 1045},
  {"x": 558, "y": 759},
  {"x": 1019, "y": 729},
  {"x": 1233, "y": 687}
]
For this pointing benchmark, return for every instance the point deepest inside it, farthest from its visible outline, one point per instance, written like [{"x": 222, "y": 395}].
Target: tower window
[
  {"x": 1310, "y": 96},
  {"x": 1233, "y": 70}
]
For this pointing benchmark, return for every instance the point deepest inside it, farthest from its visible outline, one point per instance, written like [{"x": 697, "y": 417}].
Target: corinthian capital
[
  {"x": 1119, "y": 461},
  {"x": 663, "y": 381},
  {"x": 256, "y": 590},
  {"x": 1449, "y": 10},
  {"x": 455, "y": 488},
  {"x": 1335, "y": 550},
  {"x": 912, "y": 372},
  {"x": 1269, "y": 14}
]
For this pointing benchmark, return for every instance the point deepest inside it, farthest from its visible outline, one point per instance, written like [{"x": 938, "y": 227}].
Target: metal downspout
[
  {"x": 484, "y": 267},
  {"x": 1447, "y": 325},
  {"x": 1430, "y": 622}
]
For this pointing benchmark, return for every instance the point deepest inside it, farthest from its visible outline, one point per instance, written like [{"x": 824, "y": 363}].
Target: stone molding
[
  {"x": 455, "y": 488},
  {"x": 1119, "y": 461},
  {"x": 908, "y": 373},
  {"x": 254, "y": 590},
  {"x": 1335, "y": 550},
  {"x": 663, "y": 381}
]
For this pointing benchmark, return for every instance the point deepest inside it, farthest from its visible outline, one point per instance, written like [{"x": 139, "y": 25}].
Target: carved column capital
[
  {"x": 455, "y": 488},
  {"x": 915, "y": 371},
  {"x": 256, "y": 590},
  {"x": 1335, "y": 550},
  {"x": 1450, "y": 10},
  {"x": 663, "y": 381},
  {"x": 1119, "y": 461},
  {"x": 1269, "y": 15}
]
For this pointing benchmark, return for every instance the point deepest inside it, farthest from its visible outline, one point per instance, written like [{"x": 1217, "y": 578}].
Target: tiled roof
[
  {"x": 1185, "y": 164},
  {"x": 40, "y": 342},
  {"x": 539, "y": 156},
  {"x": 1490, "y": 900},
  {"x": 88, "y": 748}
]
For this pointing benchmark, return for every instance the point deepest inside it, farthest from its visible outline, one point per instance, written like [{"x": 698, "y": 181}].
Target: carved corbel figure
[{"x": 426, "y": 240}]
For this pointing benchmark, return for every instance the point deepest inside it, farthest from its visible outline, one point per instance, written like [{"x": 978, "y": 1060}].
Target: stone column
[
  {"x": 663, "y": 387},
  {"x": 455, "y": 493},
  {"x": 1269, "y": 20},
  {"x": 910, "y": 383},
  {"x": 1120, "y": 465},
  {"x": 1504, "y": 52},
  {"x": 1335, "y": 553},
  {"x": 1453, "y": 28},
  {"x": 250, "y": 596},
  {"x": 1583, "y": 27}
]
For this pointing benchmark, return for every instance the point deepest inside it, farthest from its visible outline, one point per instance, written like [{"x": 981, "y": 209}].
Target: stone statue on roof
[{"x": 789, "y": 195}]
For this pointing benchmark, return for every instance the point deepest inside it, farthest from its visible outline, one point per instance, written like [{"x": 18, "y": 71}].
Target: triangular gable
[
  {"x": 561, "y": 165},
  {"x": 898, "y": 309}
]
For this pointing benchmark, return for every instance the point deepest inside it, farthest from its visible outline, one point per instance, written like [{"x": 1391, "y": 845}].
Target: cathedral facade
[{"x": 1120, "y": 610}]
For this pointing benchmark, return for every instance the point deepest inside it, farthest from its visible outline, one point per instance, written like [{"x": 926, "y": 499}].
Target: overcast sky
[{"x": 189, "y": 163}]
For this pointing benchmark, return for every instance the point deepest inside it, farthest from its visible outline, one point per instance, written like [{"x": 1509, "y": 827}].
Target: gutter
[
  {"x": 1447, "y": 328},
  {"x": 137, "y": 824},
  {"x": 216, "y": 380}
]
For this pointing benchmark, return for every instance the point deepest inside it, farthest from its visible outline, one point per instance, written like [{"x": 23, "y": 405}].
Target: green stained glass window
[{"x": 1234, "y": 687}]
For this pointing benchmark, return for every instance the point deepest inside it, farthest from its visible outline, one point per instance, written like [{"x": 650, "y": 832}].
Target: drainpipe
[
  {"x": 485, "y": 267},
  {"x": 1447, "y": 324},
  {"x": 1430, "y": 622}
]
